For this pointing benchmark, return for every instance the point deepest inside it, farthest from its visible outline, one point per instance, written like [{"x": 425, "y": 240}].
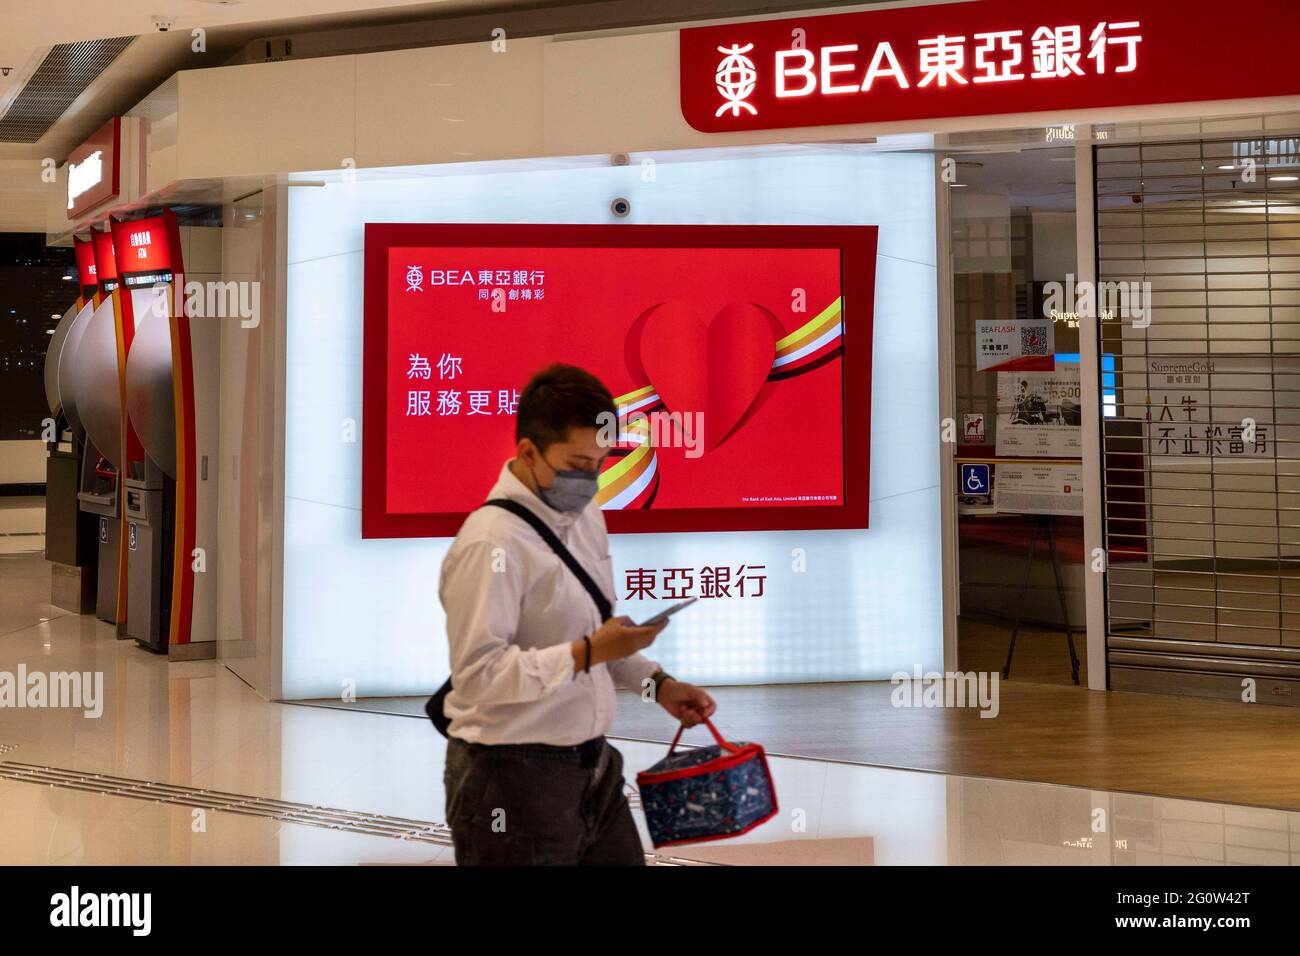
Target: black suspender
[{"x": 547, "y": 535}]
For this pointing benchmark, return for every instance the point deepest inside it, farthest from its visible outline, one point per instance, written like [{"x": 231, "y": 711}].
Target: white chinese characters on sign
[
  {"x": 420, "y": 403},
  {"x": 1008, "y": 52},
  {"x": 419, "y": 367},
  {"x": 448, "y": 365},
  {"x": 514, "y": 285},
  {"x": 1000, "y": 56},
  {"x": 140, "y": 242}
]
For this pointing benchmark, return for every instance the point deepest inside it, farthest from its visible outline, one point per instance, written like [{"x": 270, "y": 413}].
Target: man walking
[{"x": 530, "y": 778}]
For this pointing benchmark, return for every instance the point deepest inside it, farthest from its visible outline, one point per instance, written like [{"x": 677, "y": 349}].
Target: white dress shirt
[{"x": 513, "y": 609}]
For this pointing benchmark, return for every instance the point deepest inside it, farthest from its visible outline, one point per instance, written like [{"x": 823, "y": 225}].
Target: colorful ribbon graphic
[{"x": 632, "y": 480}]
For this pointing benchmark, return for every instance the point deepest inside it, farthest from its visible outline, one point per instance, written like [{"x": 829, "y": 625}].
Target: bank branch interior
[{"x": 989, "y": 516}]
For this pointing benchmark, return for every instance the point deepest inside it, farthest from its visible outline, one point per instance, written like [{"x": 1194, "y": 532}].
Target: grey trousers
[{"x": 530, "y": 804}]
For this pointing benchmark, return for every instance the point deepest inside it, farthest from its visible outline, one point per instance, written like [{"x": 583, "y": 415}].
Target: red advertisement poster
[{"x": 731, "y": 353}]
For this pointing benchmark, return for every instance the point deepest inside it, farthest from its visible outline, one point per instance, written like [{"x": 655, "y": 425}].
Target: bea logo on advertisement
[
  {"x": 495, "y": 286},
  {"x": 417, "y": 278}
]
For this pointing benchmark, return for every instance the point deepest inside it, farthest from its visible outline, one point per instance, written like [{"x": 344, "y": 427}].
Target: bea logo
[
  {"x": 736, "y": 78},
  {"x": 415, "y": 277}
]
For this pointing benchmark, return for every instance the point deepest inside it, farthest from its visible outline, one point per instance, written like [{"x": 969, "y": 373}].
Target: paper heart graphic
[{"x": 717, "y": 367}]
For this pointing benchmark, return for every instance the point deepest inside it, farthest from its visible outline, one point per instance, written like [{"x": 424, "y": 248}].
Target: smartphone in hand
[{"x": 668, "y": 612}]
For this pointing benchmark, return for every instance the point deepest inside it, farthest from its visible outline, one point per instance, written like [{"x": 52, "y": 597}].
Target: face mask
[{"x": 571, "y": 491}]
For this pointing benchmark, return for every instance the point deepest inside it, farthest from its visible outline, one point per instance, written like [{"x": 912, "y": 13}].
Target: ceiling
[
  {"x": 33, "y": 30},
  {"x": 37, "y": 33},
  {"x": 29, "y": 25},
  {"x": 1034, "y": 179}
]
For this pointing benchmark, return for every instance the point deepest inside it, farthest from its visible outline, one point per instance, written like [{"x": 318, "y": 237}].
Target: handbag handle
[{"x": 716, "y": 736}]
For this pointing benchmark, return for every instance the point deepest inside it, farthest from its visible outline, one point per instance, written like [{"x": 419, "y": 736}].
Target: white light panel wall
[{"x": 867, "y": 604}]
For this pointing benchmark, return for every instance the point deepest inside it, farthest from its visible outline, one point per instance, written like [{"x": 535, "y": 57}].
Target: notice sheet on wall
[
  {"x": 1038, "y": 413},
  {"x": 1047, "y": 489}
]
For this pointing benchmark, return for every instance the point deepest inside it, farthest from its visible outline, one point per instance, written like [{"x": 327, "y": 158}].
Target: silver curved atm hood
[
  {"x": 52, "y": 359},
  {"x": 150, "y": 401},
  {"x": 94, "y": 382},
  {"x": 59, "y": 360}
]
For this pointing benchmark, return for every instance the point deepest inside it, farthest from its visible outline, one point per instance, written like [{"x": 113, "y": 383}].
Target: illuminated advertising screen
[{"x": 739, "y": 359}]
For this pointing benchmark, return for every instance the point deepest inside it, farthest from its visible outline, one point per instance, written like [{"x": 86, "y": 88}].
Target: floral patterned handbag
[{"x": 709, "y": 793}]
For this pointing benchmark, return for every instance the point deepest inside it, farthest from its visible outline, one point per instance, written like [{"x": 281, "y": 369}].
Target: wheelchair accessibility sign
[{"x": 975, "y": 480}]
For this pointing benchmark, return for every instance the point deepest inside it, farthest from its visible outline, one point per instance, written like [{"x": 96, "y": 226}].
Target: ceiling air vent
[{"x": 65, "y": 73}]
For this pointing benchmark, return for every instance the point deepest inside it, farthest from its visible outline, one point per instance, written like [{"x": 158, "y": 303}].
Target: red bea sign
[
  {"x": 983, "y": 58},
  {"x": 87, "y": 275},
  {"x": 142, "y": 248},
  {"x": 105, "y": 261},
  {"x": 93, "y": 173}
]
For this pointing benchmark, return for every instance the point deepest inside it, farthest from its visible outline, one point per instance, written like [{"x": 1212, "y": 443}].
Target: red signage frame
[
  {"x": 811, "y": 71},
  {"x": 857, "y": 245}
]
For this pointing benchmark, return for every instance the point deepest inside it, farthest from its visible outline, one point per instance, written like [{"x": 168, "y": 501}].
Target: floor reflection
[{"x": 197, "y": 726}]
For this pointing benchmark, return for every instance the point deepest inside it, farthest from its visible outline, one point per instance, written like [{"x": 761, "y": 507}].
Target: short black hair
[{"x": 558, "y": 398}]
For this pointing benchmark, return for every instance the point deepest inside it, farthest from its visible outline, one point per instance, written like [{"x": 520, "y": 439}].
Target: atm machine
[
  {"x": 90, "y": 372},
  {"x": 148, "y": 260},
  {"x": 70, "y": 534},
  {"x": 151, "y": 485}
]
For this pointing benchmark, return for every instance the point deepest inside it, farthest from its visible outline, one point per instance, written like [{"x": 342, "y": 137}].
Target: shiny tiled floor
[
  {"x": 22, "y": 524},
  {"x": 196, "y": 725}
]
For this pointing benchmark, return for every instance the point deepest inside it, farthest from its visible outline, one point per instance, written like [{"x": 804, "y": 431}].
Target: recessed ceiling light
[
  {"x": 1229, "y": 168},
  {"x": 958, "y": 185},
  {"x": 1283, "y": 179}
]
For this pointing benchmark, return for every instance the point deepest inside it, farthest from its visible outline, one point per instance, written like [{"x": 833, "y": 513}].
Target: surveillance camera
[
  {"x": 162, "y": 23},
  {"x": 620, "y": 207}
]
